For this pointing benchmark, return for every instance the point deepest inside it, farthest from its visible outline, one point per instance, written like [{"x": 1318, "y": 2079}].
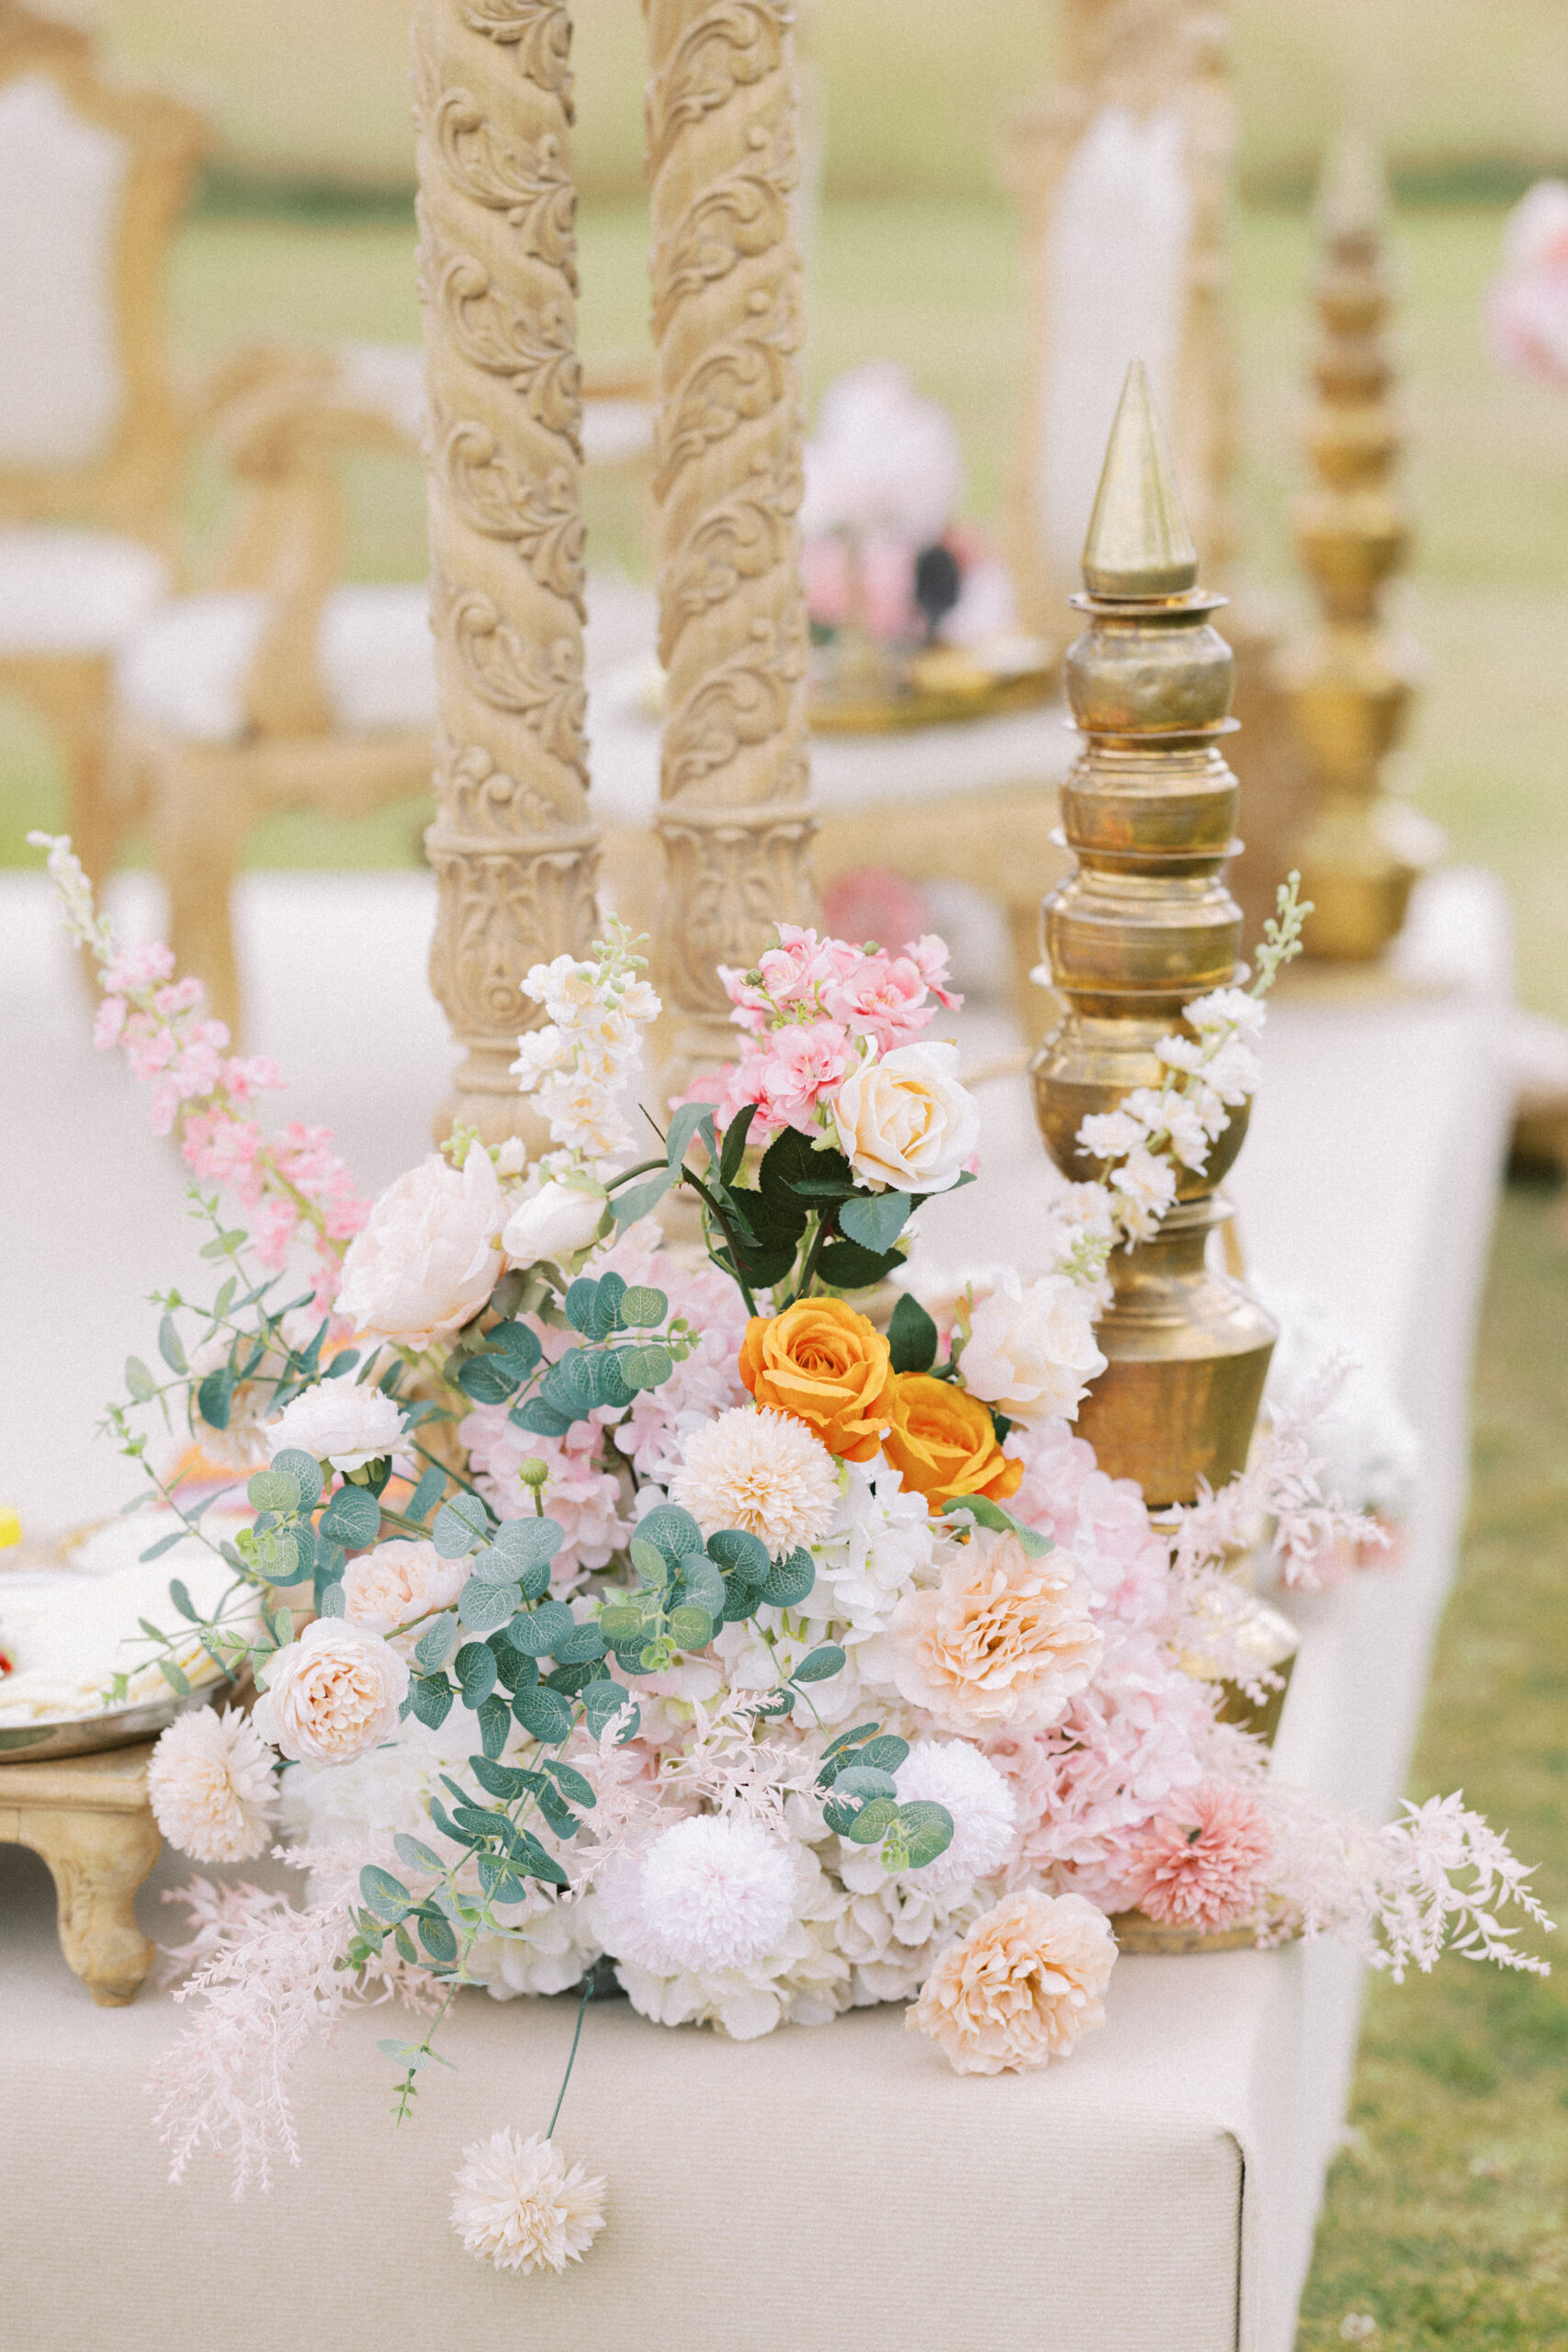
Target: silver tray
[{"x": 54, "y": 1736}]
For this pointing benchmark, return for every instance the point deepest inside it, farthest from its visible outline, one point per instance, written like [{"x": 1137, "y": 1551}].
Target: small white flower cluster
[
  {"x": 581, "y": 1059},
  {"x": 1211, "y": 1074}
]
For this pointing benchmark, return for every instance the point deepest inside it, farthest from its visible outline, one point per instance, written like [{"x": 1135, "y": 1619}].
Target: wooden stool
[{"x": 89, "y": 1817}]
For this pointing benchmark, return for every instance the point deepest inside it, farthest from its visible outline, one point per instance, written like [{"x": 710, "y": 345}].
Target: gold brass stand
[
  {"x": 1145, "y": 924},
  {"x": 1350, "y": 681},
  {"x": 90, "y": 1819}
]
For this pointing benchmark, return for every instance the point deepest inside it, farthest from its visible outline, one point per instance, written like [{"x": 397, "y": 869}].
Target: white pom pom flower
[
  {"x": 710, "y": 1894},
  {"x": 515, "y": 2205},
  {"x": 763, "y": 1472},
  {"x": 985, "y": 1814},
  {"x": 210, "y": 1786}
]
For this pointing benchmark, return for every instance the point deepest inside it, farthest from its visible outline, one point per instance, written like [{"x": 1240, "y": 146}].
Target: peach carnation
[
  {"x": 1027, "y": 1980},
  {"x": 398, "y": 1582},
  {"x": 1205, "y": 1866},
  {"x": 1002, "y": 1643},
  {"x": 765, "y": 1471},
  {"x": 210, "y": 1787}
]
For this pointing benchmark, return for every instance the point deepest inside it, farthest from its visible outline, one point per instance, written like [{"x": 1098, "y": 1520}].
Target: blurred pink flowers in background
[{"x": 1526, "y": 302}]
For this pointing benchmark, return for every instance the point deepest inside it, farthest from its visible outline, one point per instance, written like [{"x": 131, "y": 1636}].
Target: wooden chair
[
  {"x": 93, "y": 431},
  {"x": 281, "y": 687}
]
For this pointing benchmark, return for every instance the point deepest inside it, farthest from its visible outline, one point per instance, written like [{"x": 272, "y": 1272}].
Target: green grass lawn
[{"x": 1448, "y": 2215}]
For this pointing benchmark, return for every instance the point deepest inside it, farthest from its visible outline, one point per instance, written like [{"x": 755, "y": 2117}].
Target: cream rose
[
  {"x": 331, "y": 1694},
  {"x": 559, "y": 1220},
  {"x": 904, "y": 1121},
  {"x": 398, "y": 1581},
  {"x": 339, "y": 1421},
  {"x": 1032, "y": 1353},
  {"x": 427, "y": 1259},
  {"x": 1002, "y": 1643},
  {"x": 1027, "y": 1980}
]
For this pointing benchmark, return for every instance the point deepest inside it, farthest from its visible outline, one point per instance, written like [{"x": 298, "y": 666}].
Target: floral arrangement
[{"x": 622, "y": 1621}]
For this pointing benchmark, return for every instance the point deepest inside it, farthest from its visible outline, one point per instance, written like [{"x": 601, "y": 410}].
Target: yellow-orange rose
[
  {"x": 945, "y": 1443},
  {"x": 827, "y": 1366}
]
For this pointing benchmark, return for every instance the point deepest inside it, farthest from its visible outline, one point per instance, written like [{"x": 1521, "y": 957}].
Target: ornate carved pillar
[
  {"x": 1122, "y": 172},
  {"x": 513, "y": 847},
  {"x": 735, "y": 812}
]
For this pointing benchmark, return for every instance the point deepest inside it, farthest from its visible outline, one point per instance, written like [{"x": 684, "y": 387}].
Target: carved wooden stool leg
[
  {"x": 89, "y": 1818},
  {"x": 98, "y": 1861}
]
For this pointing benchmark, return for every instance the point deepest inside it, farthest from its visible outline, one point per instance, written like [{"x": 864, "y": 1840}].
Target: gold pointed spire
[{"x": 1138, "y": 543}]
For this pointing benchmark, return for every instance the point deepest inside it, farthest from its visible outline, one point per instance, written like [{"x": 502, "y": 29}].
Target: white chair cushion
[
  {"x": 65, "y": 590},
  {"x": 185, "y": 671}
]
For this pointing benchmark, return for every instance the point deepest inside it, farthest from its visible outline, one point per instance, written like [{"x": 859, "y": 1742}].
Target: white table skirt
[{"x": 821, "y": 2187}]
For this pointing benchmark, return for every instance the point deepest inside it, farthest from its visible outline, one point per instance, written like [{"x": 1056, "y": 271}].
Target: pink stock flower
[
  {"x": 1527, "y": 304},
  {"x": 883, "y": 998},
  {"x": 929, "y": 952},
  {"x": 1205, "y": 1865},
  {"x": 108, "y": 1022},
  {"x": 874, "y": 902},
  {"x": 135, "y": 969}
]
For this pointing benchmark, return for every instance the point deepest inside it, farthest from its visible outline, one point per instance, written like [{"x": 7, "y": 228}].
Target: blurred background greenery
[{"x": 1446, "y": 2217}]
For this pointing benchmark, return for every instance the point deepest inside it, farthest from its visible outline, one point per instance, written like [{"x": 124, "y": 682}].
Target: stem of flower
[{"x": 572, "y": 2058}]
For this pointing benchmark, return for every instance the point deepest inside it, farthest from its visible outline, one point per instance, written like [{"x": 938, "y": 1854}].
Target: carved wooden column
[
  {"x": 513, "y": 847},
  {"x": 735, "y": 793}
]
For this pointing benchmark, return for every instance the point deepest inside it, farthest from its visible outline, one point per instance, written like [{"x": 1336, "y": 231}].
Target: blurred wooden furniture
[
  {"x": 1122, "y": 172},
  {"x": 93, "y": 431},
  {"x": 89, "y": 1818},
  {"x": 281, "y": 687}
]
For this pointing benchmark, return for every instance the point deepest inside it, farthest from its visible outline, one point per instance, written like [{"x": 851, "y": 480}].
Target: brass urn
[{"x": 1145, "y": 924}]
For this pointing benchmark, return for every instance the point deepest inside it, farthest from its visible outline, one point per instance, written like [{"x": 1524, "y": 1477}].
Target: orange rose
[
  {"x": 943, "y": 1441},
  {"x": 827, "y": 1366}
]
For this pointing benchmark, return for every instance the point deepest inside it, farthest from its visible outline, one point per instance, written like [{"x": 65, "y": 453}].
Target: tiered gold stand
[
  {"x": 1145, "y": 924},
  {"x": 1350, "y": 681}
]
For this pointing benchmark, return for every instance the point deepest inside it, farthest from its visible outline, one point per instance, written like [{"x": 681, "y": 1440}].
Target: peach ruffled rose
[
  {"x": 827, "y": 1366},
  {"x": 331, "y": 1694},
  {"x": 400, "y": 1581},
  {"x": 943, "y": 1442},
  {"x": 1002, "y": 1643},
  {"x": 1027, "y": 1980}
]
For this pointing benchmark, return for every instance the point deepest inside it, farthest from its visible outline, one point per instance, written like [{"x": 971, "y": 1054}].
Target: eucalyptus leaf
[
  {"x": 544, "y": 1713},
  {"x": 165, "y": 1543},
  {"x": 474, "y": 1666},
  {"x": 138, "y": 1380},
  {"x": 215, "y": 1397},
  {"x": 495, "y": 1723},
  {"x": 643, "y": 1308},
  {"x": 352, "y": 1518},
  {"x": 277, "y": 1490},
  {"x": 927, "y": 1831},
  {"x": 981, "y": 1508},
  {"x": 645, "y": 1367},
  {"x": 485, "y": 1607},
  {"x": 602, "y": 1702},
  {"x": 872, "y": 1821},
  {"x": 172, "y": 1675},
  {"x": 674, "y": 1531},
  {"x": 383, "y": 1895},
  {"x": 742, "y": 1554},
  {"x": 537, "y": 1634},
  {"x": 818, "y": 1663},
  {"x": 540, "y": 1419},
  {"x": 787, "y": 1582},
  {"x": 426, "y": 1495},
  {"x": 170, "y": 1346},
  {"x": 689, "y": 1627},
  {"x": 459, "y": 1525},
  {"x": 417, "y": 1856},
  {"x": 527, "y": 1544}
]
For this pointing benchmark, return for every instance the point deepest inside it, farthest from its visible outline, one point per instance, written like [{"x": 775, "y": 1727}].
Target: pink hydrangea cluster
[
  {"x": 1131, "y": 1746},
  {"x": 293, "y": 1185},
  {"x": 811, "y": 1010},
  {"x": 584, "y": 1499}
]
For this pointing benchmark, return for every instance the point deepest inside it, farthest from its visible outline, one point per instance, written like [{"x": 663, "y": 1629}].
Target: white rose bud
[
  {"x": 427, "y": 1259},
  {"x": 332, "y": 1694},
  {"x": 559, "y": 1220},
  {"x": 904, "y": 1121},
  {"x": 339, "y": 1421},
  {"x": 1032, "y": 1353}
]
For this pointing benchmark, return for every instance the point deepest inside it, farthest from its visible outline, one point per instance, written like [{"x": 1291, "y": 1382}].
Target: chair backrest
[{"x": 92, "y": 179}]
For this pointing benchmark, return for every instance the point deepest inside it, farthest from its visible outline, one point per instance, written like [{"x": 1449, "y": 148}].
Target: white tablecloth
[{"x": 824, "y": 2187}]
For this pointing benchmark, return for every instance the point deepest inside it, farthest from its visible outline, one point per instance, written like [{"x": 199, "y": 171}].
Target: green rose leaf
[
  {"x": 641, "y": 1200},
  {"x": 849, "y": 1267},
  {"x": 989, "y": 1514},
  {"x": 876, "y": 1219},
  {"x": 911, "y": 1334}
]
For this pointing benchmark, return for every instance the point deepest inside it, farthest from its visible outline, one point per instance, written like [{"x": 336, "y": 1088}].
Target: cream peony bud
[
  {"x": 332, "y": 1694},
  {"x": 399, "y": 1581},
  {"x": 904, "y": 1121},
  {"x": 427, "y": 1259},
  {"x": 557, "y": 1222},
  {"x": 340, "y": 1422},
  {"x": 1032, "y": 1353}
]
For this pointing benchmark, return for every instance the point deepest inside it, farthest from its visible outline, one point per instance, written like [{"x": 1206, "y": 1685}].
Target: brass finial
[
  {"x": 1138, "y": 543},
  {"x": 1349, "y": 679},
  {"x": 1143, "y": 925}
]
